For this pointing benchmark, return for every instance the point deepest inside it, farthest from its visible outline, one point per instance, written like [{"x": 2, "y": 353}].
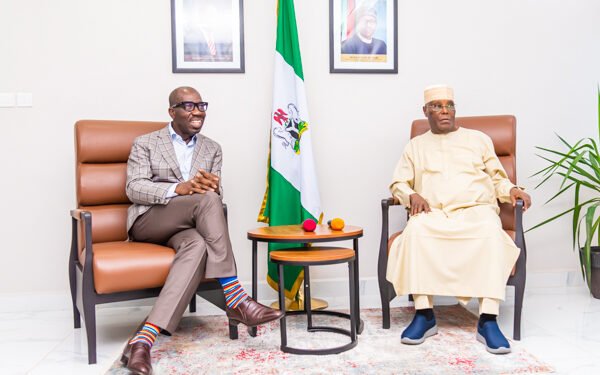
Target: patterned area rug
[{"x": 201, "y": 346}]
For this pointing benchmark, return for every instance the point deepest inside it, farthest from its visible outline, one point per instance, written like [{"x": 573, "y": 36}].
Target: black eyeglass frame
[
  {"x": 185, "y": 104},
  {"x": 449, "y": 107}
]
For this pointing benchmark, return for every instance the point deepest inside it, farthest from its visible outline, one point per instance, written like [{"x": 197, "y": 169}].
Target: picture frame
[
  {"x": 363, "y": 36},
  {"x": 207, "y": 36}
]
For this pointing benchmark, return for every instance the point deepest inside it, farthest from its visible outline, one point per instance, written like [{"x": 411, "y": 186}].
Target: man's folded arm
[
  {"x": 216, "y": 169},
  {"x": 494, "y": 168},
  {"x": 140, "y": 188},
  {"x": 403, "y": 179},
  {"x": 171, "y": 192}
]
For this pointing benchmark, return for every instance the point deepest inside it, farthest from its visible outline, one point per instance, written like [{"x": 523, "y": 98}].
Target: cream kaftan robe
[{"x": 459, "y": 248}]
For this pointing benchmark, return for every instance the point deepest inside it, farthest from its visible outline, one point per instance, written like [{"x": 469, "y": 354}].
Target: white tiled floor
[{"x": 561, "y": 326}]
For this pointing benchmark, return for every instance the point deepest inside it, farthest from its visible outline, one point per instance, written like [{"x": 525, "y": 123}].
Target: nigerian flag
[{"x": 292, "y": 194}]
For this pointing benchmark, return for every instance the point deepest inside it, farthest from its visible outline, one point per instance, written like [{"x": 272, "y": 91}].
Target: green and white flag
[{"x": 292, "y": 194}]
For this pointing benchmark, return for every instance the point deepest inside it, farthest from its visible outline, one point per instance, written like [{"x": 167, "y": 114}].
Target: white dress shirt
[{"x": 184, "y": 152}]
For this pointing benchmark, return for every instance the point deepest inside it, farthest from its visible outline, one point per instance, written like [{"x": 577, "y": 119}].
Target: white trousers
[{"x": 486, "y": 305}]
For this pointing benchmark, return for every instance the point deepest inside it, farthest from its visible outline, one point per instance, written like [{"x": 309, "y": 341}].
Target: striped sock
[
  {"x": 234, "y": 293},
  {"x": 147, "y": 334}
]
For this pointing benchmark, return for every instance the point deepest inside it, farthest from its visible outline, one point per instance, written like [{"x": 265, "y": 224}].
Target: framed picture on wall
[
  {"x": 363, "y": 36},
  {"x": 207, "y": 36}
]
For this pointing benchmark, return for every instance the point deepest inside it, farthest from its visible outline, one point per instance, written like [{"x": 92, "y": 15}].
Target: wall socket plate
[
  {"x": 24, "y": 99},
  {"x": 7, "y": 100}
]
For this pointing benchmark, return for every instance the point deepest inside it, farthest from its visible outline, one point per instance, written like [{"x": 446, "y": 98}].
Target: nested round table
[{"x": 295, "y": 234}]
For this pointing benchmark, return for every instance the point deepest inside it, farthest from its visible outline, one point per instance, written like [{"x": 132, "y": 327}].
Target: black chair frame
[
  {"x": 85, "y": 298},
  {"x": 517, "y": 280}
]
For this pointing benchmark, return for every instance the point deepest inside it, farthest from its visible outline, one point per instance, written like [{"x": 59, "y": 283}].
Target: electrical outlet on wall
[
  {"x": 7, "y": 99},
  {"x": 24, "y": 99}
]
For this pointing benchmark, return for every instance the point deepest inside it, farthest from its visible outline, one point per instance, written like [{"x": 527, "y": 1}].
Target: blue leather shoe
[
  {"x": 418, "y": 330},
  {"x": 490, "y": 335}
]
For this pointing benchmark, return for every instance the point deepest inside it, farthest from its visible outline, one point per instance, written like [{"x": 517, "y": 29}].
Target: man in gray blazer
[{"x": 173, "y": 180}]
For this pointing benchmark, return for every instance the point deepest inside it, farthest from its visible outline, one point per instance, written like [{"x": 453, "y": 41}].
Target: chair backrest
[
  {"x": 502, "y": 130},
  {"x": 101, "y": 150}
]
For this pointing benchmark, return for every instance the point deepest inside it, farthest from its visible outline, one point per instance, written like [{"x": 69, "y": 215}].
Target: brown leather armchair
[
  {"x": 103, "y": 266},
  {"x": 502, "y": 130}
]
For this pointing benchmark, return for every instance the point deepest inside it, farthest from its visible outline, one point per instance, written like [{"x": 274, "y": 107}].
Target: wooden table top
[{"x": 296, "y": 233}]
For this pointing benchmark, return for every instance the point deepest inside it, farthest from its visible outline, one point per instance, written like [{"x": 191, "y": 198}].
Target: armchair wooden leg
[
  {"x": 385, "y": 309},
  {"x": 387, "y": 293},
  {"x": 216, "y": 297},
  {"x": 193, "y": 304},
  {"x": 233, "y": 332},
  {"x": 519, "y": 294},
  {"x": 73, "y": 284},
  {"x": 76, "y": 317},
  {"x": 89, "y": 316}
]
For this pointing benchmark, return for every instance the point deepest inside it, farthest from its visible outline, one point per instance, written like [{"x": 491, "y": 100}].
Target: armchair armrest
[
  {"x": 391, "y": 201},
  {"x": 81, "y": 219},
  {"x": 385, "y": 234},
  {"x": 520, "y": 237},
  {"x": 385, "y": 219},
  {"x": 385, "y": 288},
  {"x": 76, "y": 213},
  {"x": 519, "y": 217}
]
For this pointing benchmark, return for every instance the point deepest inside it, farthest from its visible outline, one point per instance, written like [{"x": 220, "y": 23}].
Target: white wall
[{"x": 109, "y": 59}]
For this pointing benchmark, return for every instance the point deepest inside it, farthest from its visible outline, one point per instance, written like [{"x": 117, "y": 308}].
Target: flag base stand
[{"x": 298, "y": 304}]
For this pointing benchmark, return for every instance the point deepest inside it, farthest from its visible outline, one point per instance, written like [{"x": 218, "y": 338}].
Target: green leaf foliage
[{"x": 578, "y": 167}]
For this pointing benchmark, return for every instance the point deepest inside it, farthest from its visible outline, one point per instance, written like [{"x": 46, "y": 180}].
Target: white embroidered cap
[{"x": 438, "y": 92}]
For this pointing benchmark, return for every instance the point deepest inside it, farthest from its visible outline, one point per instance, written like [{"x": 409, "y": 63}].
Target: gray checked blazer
[{"x": 152, "y": 168}]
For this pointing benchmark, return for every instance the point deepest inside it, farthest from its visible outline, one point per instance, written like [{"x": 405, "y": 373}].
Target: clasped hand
[{"x": 201, "y": 183}]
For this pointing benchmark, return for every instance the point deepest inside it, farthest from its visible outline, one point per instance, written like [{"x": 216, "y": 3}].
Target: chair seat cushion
[
  {"x": 124, "y": 266},
  {"x": 511, "y": 233}
]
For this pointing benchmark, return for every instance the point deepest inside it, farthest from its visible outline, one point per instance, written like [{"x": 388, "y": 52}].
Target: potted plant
[{"x": 578, "y": 165}]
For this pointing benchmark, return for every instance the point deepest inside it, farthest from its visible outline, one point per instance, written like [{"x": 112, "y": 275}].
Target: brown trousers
[{"x": 194, "y": 225}]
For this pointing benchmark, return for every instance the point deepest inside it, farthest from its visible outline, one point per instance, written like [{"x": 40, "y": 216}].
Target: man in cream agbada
[{"x": 453, "y": 245}]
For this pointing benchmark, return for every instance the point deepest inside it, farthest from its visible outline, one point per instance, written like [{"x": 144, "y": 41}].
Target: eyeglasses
[
  {"x": 189, "y": 106},
  {"x": 439, "y": 107}
]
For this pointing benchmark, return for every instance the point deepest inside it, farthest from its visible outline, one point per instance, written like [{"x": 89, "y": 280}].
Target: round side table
[{"x": 295, "y": 234}]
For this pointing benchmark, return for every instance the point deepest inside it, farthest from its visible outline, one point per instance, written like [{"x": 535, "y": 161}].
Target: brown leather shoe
[
  {"x": 137, "y": 358},
  {"x": 252, "y": 313}
]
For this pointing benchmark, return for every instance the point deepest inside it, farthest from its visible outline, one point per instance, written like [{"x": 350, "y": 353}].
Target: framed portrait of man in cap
[{"x": 363, "y": 36}]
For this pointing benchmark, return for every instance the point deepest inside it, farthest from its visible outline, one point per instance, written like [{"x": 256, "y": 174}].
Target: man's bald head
[
  {"x": 175, "y": 95},
  {"x": 187, "y": 111}
]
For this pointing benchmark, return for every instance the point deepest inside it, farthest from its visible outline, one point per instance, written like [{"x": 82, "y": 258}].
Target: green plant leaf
[
  {"x": 544, "y": 180},
  {"x": 594, "y": 146},
  {"x": 593, "y": 200},
  {"x": 550, "y": 219},
  {"x": 582, "y": 182},
  {"x": 569, "y": 160},
  {"x": 589, "y": 223},
  {"x": 572, "y": 166},
  {"x": 595, "y": 163},
  {"x": 543, "y": 170},
  {"x": 575, "y": 151},
  {"x": 581, "y": 253},
  {"x": 567, "y": 143},
  {"x": 576, "y": 211},
  {"x": 576, "y": 164},
  {"x": 589, "y": 228},
  {"x": 559, "y": 193}
]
